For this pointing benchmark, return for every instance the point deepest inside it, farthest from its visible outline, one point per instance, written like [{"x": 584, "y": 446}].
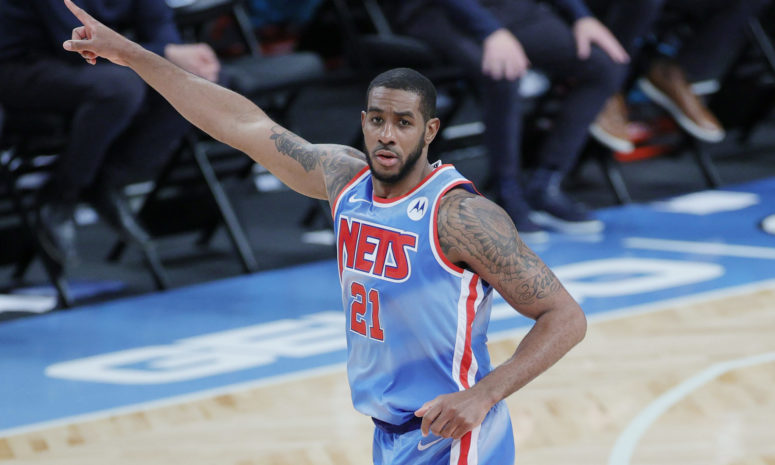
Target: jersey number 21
[{"x": 361, "y": 302}]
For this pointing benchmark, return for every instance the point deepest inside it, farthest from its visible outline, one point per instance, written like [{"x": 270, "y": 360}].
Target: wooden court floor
[{"x": 684, "y": 384}]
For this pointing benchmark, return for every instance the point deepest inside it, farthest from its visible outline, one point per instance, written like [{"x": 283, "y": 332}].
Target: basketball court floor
[{"x": 678, "y": 365}]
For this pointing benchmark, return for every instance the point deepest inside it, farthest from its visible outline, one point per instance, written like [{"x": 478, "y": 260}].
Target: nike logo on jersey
[
  {"x": 354, "y": 199},
  {"x": 375, "y": 250},
  {"x": 422, "y": 447}
]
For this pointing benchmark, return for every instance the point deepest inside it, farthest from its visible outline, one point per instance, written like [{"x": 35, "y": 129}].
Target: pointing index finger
[{"x": 79, "y": 13}]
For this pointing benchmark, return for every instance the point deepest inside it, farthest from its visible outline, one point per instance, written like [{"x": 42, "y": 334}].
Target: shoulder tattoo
[{"x": 481, "y": 234}]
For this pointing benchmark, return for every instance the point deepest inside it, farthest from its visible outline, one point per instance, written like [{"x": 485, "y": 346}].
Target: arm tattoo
[
  {"x": 477, "y": 229},
  {"x": 295, "y": 147},
  {"x": 338, "y": 162}
]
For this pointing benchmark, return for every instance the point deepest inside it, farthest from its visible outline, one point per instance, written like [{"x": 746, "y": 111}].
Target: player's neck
[{"x": 410, "y": 181}]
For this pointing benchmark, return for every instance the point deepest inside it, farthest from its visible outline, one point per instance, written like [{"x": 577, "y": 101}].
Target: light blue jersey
[{"x": 416, "y": 323}]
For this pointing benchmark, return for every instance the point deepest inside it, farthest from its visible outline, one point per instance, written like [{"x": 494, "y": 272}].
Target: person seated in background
[
  {"x": 495, "y": 41},
  {"x": 120, "y": 130},
  {"x": 717, "y": 34}
]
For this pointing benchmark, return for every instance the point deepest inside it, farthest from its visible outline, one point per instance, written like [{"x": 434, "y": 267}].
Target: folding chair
[
  {"x": 28, "y": 152},
  {"x": 191, "y": 186},
  {"x": 16, "y": 233}
]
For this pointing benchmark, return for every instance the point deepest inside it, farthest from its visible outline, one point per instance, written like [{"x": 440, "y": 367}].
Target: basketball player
[{"x": 419, "y": 252}]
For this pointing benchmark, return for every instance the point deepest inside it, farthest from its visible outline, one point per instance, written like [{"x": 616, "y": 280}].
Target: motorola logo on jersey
[
  {"x": 375, "y": 250},
  {"x": 417, "y": 208}
]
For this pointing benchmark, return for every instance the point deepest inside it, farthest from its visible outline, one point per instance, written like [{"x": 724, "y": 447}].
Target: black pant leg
[
  {"x": 628, "y": 20},
  {"x": 143, "y": 149},
  {"x": 100, "y": 100},
  {"x": 718, "y": 34},
  {"x": 502, "y": 107},
  {"x": 551, "y": 47}
]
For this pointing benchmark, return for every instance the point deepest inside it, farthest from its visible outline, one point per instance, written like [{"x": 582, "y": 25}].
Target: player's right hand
[
  {"x": 453, "y": 415},
  {"x": 94, "y": 39}
]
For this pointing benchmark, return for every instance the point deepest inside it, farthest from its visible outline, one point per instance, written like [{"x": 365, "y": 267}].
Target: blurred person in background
[
  {"x": 717, "y": 33},
  {"x": 120, "y": 130},
  {"x": 495, "y": 41}
]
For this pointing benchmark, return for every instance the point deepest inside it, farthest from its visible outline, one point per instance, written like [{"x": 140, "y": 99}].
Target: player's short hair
[{"x": 409, "y": 80}]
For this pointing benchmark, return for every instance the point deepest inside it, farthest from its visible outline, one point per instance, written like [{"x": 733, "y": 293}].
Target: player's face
[{"x": 394, "y": 131}]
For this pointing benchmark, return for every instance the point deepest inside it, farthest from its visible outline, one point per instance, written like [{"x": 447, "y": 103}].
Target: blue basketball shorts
[{"x": 491, "y": 443}]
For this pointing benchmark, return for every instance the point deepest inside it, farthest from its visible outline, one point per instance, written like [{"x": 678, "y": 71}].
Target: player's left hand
[
  {"x": 453, "y": 415},
  {"x": 588, "y": 31}
]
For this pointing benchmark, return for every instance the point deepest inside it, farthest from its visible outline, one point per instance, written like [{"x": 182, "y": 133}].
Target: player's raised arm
[
  {"x": 314, "y": 170},
  {"x": 479, "y": 235}
]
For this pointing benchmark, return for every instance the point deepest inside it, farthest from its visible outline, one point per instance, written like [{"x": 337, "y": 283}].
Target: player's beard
[{"x": 410, "y": 162}]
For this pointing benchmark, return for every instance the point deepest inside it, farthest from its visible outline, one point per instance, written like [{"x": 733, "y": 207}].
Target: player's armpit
[
  {"x": 478, "y": 234},
  {"x": 341, "y": 169}
]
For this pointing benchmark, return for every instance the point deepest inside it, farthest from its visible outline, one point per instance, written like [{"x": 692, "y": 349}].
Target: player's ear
[
  {"x": 431, "y": 129},
  {"x": 363, "y": 117}
]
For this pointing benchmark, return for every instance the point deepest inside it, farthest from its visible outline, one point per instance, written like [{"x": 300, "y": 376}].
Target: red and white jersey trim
[
  {"x": 464, "y": 450},
  {"x": 348, "y": 187},
  {"x": 442, "y": 259},
  {"x": 464, "y": 364},
  {"x": 393, "y": 201}
]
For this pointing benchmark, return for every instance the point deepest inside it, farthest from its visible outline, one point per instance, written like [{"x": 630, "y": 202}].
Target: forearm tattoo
[
  {"x": 487, "y": 235},
  {"x": 336, "y": 161}
]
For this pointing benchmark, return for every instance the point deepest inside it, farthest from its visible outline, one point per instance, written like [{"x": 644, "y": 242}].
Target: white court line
[
  {"x": 27, "y": 303},
  {"x": 175, "y": 400},
  {"x": 635, "y": 310},
  {"x": 706, "y": 248},
  {"x": 626, "y": 442},
  {"x": 496, "y": 336}
]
